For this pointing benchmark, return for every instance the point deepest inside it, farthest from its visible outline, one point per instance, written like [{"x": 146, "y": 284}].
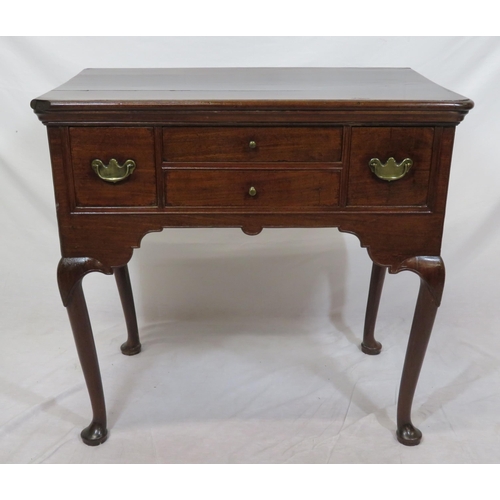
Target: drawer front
[
  {"x": 252, "y": 144},
  {"x": 121, "y": 144},
  {"x": 400, "y": 143},
  {"x": 252, "y": 188}
]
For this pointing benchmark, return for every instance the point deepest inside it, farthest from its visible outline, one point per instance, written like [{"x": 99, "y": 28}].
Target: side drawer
[
  {"x": 252, "y": 188},
  {"x": 121, "y": 144},
  {"x": 252, "y": 144},
  {"x": 383, "y": 143}
]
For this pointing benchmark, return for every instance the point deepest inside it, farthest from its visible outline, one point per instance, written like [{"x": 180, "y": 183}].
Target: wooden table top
[{"x": 327, "y": 88}]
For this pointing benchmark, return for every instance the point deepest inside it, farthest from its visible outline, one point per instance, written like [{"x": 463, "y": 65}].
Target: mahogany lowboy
[{"x": 137, "y": 150}]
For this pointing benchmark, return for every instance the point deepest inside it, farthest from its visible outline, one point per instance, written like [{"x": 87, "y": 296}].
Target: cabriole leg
[
  {"x": 369, "y": 344},
  {"x": 432, "y": 274},
  {"x": 132, "y": 345},
  {"x": 70, "y": 274}
]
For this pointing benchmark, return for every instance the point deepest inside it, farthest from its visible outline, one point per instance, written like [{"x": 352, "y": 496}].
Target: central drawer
[
  {"x": 252, "y": 144},
  {"x": 252, "y": 188}
]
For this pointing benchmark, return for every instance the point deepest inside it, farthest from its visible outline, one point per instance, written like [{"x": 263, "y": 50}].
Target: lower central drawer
[{"x": 252, "y": 188}]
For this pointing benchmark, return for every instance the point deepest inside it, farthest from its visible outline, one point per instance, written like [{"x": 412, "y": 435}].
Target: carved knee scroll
[
  {"x": 71, "y": 271},
  {"x": 431, "y": 271}
]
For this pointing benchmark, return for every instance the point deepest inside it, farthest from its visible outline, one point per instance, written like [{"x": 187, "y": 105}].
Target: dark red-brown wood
[
  {"x": 369, "y": 344},
  {"x": 70, "y": 273},
  {"x": 273, "y": 188},
  {"x": 190, "y": 131},
  {"x": 121, "y": 144},
  {"x": 385, "y": 142},
  {"x": 432, "y": 273},
  {"x": 269, "y": 144},
  {"x": 132, "y": 345},
  {"x": 342, "y": 91}
]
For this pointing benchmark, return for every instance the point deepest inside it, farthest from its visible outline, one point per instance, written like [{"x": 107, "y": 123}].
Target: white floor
[{"x": 241, "y": 385}]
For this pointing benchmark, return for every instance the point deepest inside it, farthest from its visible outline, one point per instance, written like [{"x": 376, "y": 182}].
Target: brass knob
[
  {"x": 252, "y": 144},
  {"x": 252, "y": 191}
]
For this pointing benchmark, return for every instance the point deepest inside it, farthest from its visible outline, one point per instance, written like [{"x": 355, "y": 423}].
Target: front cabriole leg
[
  {"x": 70, "y": 273},
  {"x": 432, "y": 274}
]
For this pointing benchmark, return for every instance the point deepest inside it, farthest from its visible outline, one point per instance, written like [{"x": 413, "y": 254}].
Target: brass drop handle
[
  {"x": 252, "y": 144},
  {"x": 252, "y": 191},
  {"x": 113, "y": 172},
  {"x": 391, "y": 170}
]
